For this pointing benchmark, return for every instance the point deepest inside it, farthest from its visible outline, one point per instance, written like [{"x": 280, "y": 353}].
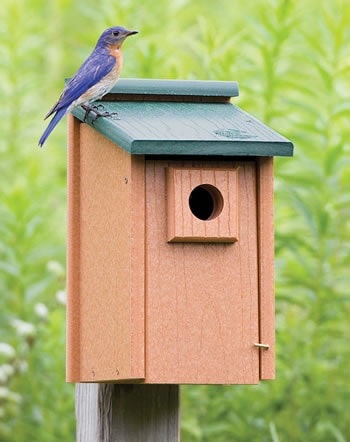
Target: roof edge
[{"x": 191, "y": 88}]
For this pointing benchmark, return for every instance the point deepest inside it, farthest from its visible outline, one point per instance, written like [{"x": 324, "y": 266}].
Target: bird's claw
[
  {"x": 97, "y": 111},
  {"x": 106, "y": 114},
  {"x": 98, "y": 107}
]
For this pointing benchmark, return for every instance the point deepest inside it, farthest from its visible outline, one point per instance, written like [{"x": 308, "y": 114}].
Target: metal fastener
[{"x": 265, "y": 346}]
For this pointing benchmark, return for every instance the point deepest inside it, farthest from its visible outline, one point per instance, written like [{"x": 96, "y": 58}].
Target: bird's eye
[{"x": 116, "y": 33}]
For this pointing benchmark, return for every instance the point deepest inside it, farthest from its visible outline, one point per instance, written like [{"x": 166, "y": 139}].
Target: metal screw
[{"x": 264, "y": 346}]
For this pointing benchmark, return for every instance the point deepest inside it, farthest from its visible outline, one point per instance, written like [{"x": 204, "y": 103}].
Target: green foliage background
[{"x": 292, "y": 60}]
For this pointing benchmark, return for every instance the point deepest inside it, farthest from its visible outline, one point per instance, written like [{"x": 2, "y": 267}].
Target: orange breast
[{"x": 116, "y": 51}]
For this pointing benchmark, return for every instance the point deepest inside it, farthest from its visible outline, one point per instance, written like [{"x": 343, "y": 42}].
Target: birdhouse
[{"x": 170, "y": 238}]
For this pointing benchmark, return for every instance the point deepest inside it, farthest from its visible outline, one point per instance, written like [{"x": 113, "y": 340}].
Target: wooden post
[{"x": 127, "y": 413}]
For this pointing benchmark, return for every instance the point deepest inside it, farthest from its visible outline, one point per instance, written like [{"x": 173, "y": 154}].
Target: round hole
[{"x": 206, "y": 202}]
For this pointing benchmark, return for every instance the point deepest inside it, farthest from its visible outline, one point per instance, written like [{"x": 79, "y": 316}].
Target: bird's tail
[{"x": 59, "y": 114}]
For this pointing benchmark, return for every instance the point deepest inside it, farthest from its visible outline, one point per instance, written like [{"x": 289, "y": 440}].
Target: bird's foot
[{"x": 98, "y": 113}]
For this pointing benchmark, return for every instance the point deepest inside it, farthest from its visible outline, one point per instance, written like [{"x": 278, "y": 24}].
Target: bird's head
[{"x": 114, "y": 37}]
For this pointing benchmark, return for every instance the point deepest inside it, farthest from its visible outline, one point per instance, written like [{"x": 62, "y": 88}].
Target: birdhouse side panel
[
  {"x": 73, "y": 252},
  {"x": 109, "y": 311},
  {"x": 266, "y": 266}
]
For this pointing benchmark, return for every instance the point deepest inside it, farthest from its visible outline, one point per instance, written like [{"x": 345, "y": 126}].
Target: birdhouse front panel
[
  {"x": 212, "y": 197},
  {"x": 170, "y": 238},
  {"x": 202, "y": 296}
]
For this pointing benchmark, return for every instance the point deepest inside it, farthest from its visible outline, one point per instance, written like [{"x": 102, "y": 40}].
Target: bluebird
[{"x": 96, "y": 76}]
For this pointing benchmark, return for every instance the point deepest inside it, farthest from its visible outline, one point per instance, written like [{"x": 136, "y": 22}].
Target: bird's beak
[{"x": 131, "y": 33}]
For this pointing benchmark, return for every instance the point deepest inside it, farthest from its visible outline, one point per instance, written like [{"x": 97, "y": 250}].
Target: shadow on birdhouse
[{"x": 170, "y": 239}]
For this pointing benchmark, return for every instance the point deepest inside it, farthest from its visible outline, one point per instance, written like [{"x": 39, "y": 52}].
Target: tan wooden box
[{"x": 170, "y": 246}]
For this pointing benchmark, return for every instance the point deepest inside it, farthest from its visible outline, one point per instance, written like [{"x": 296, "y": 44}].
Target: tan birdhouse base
[
  {"x": 160, "y": 289},
  {"x": 170, "y": 237}
]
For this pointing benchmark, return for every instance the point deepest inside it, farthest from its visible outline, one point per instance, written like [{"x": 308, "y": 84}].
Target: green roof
[{"x": 172, "y": 117}]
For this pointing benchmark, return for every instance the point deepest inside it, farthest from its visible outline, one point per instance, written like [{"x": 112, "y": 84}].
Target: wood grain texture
[
  {"x": 201, "y": 299},
  {"x": 127, "y": 413},
  {"x": 147, "y": 413},
  {"x": 266, "y": 267},
  {"x": 183, "y": 226},
  {"x": 87, "y": 413},
  {"x": 106, "y": 243}
]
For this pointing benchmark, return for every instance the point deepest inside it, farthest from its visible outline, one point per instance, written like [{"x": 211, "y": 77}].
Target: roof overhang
[{"x": 171, "y": 117}]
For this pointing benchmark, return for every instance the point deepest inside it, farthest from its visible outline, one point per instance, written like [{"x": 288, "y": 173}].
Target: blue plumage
[
  {"x": 57, "y": 117},
  {"x": 96, "y": 76}
]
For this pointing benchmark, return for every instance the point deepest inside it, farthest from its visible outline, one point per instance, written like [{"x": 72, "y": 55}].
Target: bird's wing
[{"x": 96, "y": 67}]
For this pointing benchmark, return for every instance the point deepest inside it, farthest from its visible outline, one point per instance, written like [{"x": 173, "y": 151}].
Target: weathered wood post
[
  {"x": 127, "y": 412},
  {"x": 170, "y": 254}
]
